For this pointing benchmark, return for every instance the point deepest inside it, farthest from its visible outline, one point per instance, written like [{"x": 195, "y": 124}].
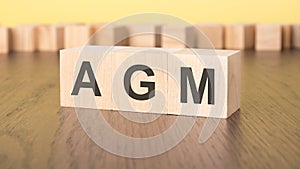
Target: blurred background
[
  {"x": 36, "y": 132},
  {"x": 13, "y": 12}
]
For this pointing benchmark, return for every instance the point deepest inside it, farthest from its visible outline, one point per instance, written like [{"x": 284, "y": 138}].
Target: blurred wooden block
[
  {"x": 286, "y": 36},
  {"x": 96, "y": 27},
  {"x": 224, "y": 83},
  {"x": 71, "y": 61},
  {"x": 76, "y": 35},
  {"x": 110, "y": 35},
  {"x": 296, "y": 36},
  {"x": 145, "y": 35},
  {"x": 239, "y": 36},
  {"x": 214, "y": 32},
  {"x": 178, "y": 36},
  {"x": 24, "y": 38},
  {"x": 4, "y": 40},
  {"x": 50, "y": 38},
  {"x": 122, "y": 61},
  {"x": 268, "y": 37}
]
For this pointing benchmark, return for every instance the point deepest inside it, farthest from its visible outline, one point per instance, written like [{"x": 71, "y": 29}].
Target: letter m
[{"x": 207, "y": 75}]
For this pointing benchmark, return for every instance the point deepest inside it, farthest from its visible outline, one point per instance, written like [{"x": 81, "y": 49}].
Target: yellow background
[{"x": 14, "y": 12}]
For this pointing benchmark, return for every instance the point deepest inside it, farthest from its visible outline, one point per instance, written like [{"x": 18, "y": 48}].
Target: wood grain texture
[
  {"x": 122, "y": 60},
  {"x": 145, "y": 35},
  {"x": 24, "y": 38},
  {"x": 36, "y": 133},
  {"x": 4, "y": 40},
  {"x": 286, "y": 36},
  {"x": 76, "y": 35},
  {"x": 214, "y": 32},
  {"x": 178, "y": 36},
  {"x": 296, "y": 36},
  {"x": 71, "y": 62},
  {"x": 50, "y": 38},
  {"x": 97, "y": 26},
  {"x": 110, "y": 73},
  {"x": 239, "y": 36},
  {"x": 109, "y": 35},
  {"x": 226, "y": 64},
  {"x": 268, "y": 37}
]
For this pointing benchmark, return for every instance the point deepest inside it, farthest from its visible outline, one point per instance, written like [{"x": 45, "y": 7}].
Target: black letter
[
  {"x": 86, "y": 66},
  {"x": 197, "y": 95},
  {"x": 149, "y": 85}
]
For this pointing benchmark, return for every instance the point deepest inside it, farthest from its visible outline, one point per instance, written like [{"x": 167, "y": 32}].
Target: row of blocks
[
  {"x": 109, "y": 66},
  {"x": 30, "y": 38}
]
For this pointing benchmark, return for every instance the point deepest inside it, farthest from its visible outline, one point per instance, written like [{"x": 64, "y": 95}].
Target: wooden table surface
[{"x": 35, "y": 132}]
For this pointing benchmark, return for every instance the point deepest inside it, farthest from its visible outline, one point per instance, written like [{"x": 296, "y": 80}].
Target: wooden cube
[
  {"x": 4, "y": 40},
  {"x": 239, "y": 36},
  {"x": 70, "y": 64},
  {"x": 97, "y": 27},
  {"x": 296, "y": 36},
  {"x": 268, "y": 37},
  {"x": 215, "y": 34},
  {"x": 286, "y": 36},
  {"x": 145, "y": 35},
  {"x": 178, "y": 36},
  {"x": 50, "y": 38},
  {"x": 76, "y": 35},
  {"x": 24, "y": 38},
  {"x": 224, "y": 66},
  {"x": 122, "y": 61},
  {"x": 110, "y": 35}
]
